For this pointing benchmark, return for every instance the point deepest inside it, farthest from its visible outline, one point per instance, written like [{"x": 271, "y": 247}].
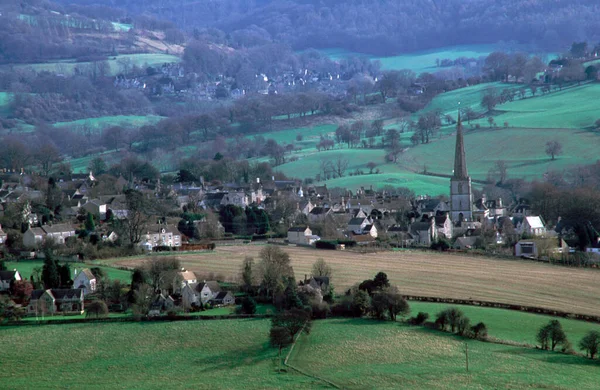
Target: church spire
[{"x": 460, "y": 161}]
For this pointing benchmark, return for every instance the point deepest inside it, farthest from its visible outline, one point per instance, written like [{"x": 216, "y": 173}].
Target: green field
[
  {"x": 425, "y": 61},
  {"x": 508, "y": 324},
  {"x": 365, "y": 354},
  {"x": 575, "y": 107},
  {"x": 218, "y": 354},
  {"x": 419, "y": 184},
  {"x": 68, "y": 66},
  {"x": 5, "y": 98},
  {"x": 523, "y": 150},
  {"x": 310, "y": 135},
  {"x": 25, "y": 268},
  {"x": 108, "y": 121}
]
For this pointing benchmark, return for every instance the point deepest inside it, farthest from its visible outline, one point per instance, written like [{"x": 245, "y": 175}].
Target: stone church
[{"x": 461, "y": 194}]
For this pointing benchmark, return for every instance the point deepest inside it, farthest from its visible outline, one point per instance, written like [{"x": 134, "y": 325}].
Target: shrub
[
  {"x": 419, "y": 319},
  {"x": 463, "y": 327},
  {"x": 321, "y": 310},
  {"x": 248, "y": 306},
  {"x": 479, "y": 331}
]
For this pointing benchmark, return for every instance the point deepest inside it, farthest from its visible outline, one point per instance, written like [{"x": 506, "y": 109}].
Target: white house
[
  {"x": 7, "y": 277},
  {"x": 34, "y": 237},
  {"x": 162, "y": 235},
  {"x": 532, "y": 226},
  {"x": 208, "y": 290},
  {"x": 52, "y": 301},
  {"x": 85, "y": 280},
  {"x": 199, "y": 294}
]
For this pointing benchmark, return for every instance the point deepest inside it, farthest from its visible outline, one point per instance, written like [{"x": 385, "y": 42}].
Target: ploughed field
[{"x": 423, "y": 273}]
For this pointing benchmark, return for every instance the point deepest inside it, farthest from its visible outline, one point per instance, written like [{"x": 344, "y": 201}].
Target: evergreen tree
[
  {"x": 50, "y": 274},
  {"x": 90, "y": 225}
]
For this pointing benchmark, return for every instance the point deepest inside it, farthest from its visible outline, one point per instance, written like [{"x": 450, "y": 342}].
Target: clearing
[{"x": 422, "y": 273}]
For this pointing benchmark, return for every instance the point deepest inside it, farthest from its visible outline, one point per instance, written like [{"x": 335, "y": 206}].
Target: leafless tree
[
  {"x": 553, "y": 148},
  {"x": 340, "y": 165}
]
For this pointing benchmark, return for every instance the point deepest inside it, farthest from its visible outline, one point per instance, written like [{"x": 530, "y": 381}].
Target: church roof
[{"x": 460, "y": 161}]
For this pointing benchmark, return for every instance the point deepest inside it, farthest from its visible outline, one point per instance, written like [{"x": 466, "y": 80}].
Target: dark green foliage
[
  {"x": 96, "y": 309},
  {"x": 293, "y": 320},
  {"x": 64, "y": 272},
  {"x": 323, "y": 244},
  {"x": 590, "y": 343},
  {"x": 50, "y": 272},
  {"x": 291, "y": 299},
  {"x": 452, "y": 318},
  {"x": 2, "y": 265},
  {"x": 279, "y": 337},
  {"x": 441, "y": 244},
  {"x": 361, "y": 302},
  {"x": 479, "y": 331},
  {"x": 551, "y": 335},
  {"x": 379, "y": 282},
  {"x": 388, "y": 301},
  {"x": 90, "y": 224},
  {"x": 420, "y": 318},
  {"x": 248, "y": 305}
]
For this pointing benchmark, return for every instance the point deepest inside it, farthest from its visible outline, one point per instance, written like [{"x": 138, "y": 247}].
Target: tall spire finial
[{"x": 460, "y": 161}]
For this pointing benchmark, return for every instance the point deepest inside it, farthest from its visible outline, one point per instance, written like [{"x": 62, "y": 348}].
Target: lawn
[
  {"x": 507, "y": 324},
  {"x": 575, "y": 107},
  {"x": 366, "y": 354},
  {"x": 420, "y": 184},
  {"x": 224, "y": 354},
  {"x": 115, "y": 62},
  {"x": 25, "y": 268},
  {"x": 523, "y": 150},
  {"x": 423, "y": 273}
]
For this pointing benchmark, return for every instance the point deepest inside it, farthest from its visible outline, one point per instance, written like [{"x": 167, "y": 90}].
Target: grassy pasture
[
  {"x": 424, "y": 273},
  {"x": 575, "y": 107},
  {"x": 311, "y": 135},
  {"x": 219, "y": 354},
  {"x": 420, "y": 61},
  {"x": 108, "y": 121},
  {"x": 507, "y": 324},
  {"x": 25, "y": 268},
  {"x": 522, "y": 149},
  {"x": 365, "y": 354},
  {"x": 5, "y": 98},
  {"x": 420, "y": 184},
  {"x": 68, "y": 66}
]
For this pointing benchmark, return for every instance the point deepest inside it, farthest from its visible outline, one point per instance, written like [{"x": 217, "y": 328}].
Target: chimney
[{"x": 500, "y": 203}]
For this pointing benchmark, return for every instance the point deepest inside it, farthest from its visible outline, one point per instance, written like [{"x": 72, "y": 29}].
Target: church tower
[{"x": 461, "y": 196}]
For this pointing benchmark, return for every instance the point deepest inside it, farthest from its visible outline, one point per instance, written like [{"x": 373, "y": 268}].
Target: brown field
[{"x": 427, "y": 273}]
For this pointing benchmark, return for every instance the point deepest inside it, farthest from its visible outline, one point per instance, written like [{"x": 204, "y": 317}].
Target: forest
[{"x": 384, "y": 27}]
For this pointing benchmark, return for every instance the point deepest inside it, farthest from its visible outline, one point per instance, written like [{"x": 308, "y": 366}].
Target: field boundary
[
  {"x": 506, "y": 306},
  {"x": 287, "y": 358}
]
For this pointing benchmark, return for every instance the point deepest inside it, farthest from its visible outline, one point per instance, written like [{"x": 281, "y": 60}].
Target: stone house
[
  {"x": 529, "y": 225},
  {"x": 425, "y": 233},
  {"x": 34, "y": 237},
  {"x": 541, "y": 247},
  {"x": 223, "y": 298},
  {"x": 7, "y": 277},
  {"x": 52, "y": 301},
  {"x": 162, "y": 235},
  {"x": 299, "y": 235},
  {"x": 444, "y": 225},
  {"x": 97, "y": 208},
  {"x": 85, "y": 280}
]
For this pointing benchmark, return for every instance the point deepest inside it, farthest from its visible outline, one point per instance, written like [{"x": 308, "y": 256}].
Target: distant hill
[{"x": 381, "y": 27}]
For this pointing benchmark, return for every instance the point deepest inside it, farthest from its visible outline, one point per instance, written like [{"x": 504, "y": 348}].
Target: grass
[
  {"x": 311, "y": 135},
  {"x": 420, "y": 184},
  {"x": 365, "y": 354},
  {"x": 25, "y": 268},
  {"x": 507, "y": 324},
  {"x": 218, "y": 354},
  {"x": 422, "y": 61},
  {"x": 574, "y": 107},
  {"x": 108, "y": 121},
  {"x": 68, "y": 66},
  {"x": 523, "y": 150},
  {"x": 5, "y": 98},
  {"x": 424, "y": 273}
]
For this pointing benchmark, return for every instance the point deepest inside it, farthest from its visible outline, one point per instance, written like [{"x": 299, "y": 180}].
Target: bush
[
  {"x": 248, "y": 306},
  {"x": 321, "y": 311},
  {"x": 419, "y": 319},
  {"x": 331, "y": 245},
  {"x": 479, "y": 331}
]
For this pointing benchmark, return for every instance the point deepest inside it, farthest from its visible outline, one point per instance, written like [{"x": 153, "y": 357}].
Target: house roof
[
  {"x": 7, "y": 275},
  {"x": 188, "y": 275},
  {"x": 37, "y": 231},
  {"x": 420, "y": 226},
  {"x": 298, "y": 229},
  {"x": 60, "y": 293},
  {"x": 397, "y": 228},
  {"x": 212, "y": 285},
  {"x": 535, "y": 222},
  {"x": 58, "y": 228},
  {"x": 88, "y": 274},
  {"x": 356, "y": 221},
  {"x": 221, "y": 295},
  {"x": 465, "y": 241},
  {"x": 362, "y": 238}
]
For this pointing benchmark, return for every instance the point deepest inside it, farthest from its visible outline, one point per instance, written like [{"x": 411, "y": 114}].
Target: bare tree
[
  {"x": 340, "y": 165},
  {"x": 321, "y": 268},
  {"x": 553, "y": 148},
  {"x": 371, "y": 165}
]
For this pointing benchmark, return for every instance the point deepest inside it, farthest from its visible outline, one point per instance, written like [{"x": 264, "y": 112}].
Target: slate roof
[
  {"x": 212, "y": 285},
  {"x": 58, "y": 228},
  {"x": 356, "y": 221},
  {"x": 297, "y": 229},
  {"x": 7, "y": 275}
]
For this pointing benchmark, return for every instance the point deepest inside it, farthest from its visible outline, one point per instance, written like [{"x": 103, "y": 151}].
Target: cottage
[
  {"x": 33, "y": 237},
  {"x": 401, "y": 236},
  {"x": 207, "y": 291},
  {"x": 425, "y": 233},
  {"x": 223, "y": 298},
  {"x": 162, "y": 235},
  {"x": 529, "y": 225},
  {"x": 53, "y": 301},
  {"x": 361, "y": 225},
  {"x": 7, "y": 278},
  {"x": 299, "y": 235},
  {"x": 465, "y": 242},
  {"x": 97, "y": 208},
  {"x": 85, "y": 280},
  {"x": 161, "y": 303},
  {"x": 444, "y": 225}
]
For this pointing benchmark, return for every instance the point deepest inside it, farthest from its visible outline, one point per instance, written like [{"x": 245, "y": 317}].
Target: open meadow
[
  {"x": 26, "y": 267},
  {"x": 116, "y": 63},
  {"x": 422, "y": 273},
  {"x": 222, "y": 354},
  {"x": 425, "y": 60},
  {"x": 523, "y": 151},
  {"x": 5, "y": 98},
  {"x": 102, "y": 122},
  {"x": 366, "y": 354}
]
